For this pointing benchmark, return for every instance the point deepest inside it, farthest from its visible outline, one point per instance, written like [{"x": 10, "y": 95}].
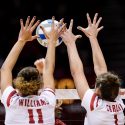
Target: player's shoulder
[
  {"x": 8, "y": 95},
  {"x": 48, "y": 95},
  {"x": 47, "y": 91}
]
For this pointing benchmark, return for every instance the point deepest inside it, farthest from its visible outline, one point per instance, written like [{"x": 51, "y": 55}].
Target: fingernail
[
  {"x": 78, "y": 27},
  {"x": 80, "y": 36}
]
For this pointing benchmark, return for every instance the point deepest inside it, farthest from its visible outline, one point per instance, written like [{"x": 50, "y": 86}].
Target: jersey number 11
[{"x": 31, "y": 118}]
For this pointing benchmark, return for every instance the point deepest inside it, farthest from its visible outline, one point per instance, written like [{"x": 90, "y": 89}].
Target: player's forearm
[
  {"x": 50, "y": 58},
  {"x": 98, "y": 58},
  {"x": 74, "y": 59},
  {"x": 13, "y": 55}
]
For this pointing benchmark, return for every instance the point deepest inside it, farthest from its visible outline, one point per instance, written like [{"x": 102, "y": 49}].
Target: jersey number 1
[{"x": 31, "y": 118}]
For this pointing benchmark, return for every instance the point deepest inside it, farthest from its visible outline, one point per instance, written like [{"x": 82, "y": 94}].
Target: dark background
[{"x": 111, "y": 39}]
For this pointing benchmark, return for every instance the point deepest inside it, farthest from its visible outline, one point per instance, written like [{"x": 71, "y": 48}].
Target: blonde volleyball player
[
  {"x": 25, "y": 106},
  {"x": 104, "y": 106}
]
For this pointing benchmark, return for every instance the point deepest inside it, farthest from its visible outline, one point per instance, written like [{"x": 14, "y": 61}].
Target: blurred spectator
[{"x": 66, "y": 84}]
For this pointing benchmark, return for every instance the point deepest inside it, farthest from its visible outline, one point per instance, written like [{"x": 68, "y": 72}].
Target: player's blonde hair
[{"x": 28, "y": 81}]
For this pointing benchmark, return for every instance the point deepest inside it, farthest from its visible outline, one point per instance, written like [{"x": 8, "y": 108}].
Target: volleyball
[{"x": 47, "y": 26}]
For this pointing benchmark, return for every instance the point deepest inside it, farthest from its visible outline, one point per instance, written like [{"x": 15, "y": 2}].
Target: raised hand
[
  {"x": 24, "y": 36},
  {"x": 93, "y": 27},
  {"x": 75, "y": 62},
  {"x": 68, "y": 36},
  {"x": 91, "y": 32},
  {"x": 40, "y": 65},
  {"x": 27, "y": 29},
  {"x": 55, "y": 32}
]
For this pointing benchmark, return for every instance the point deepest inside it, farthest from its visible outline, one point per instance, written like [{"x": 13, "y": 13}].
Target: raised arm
[
  {"x": 49, "y": 64},
  {"x": 76, "y": 65},
  {"x": 91, "y": 32},
  {"x": 25, "y": 35}
]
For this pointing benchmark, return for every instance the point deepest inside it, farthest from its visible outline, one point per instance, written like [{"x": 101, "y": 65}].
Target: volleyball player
[
  {"x": 103, "y": 106},
  {"x": 25, "y": 106}
]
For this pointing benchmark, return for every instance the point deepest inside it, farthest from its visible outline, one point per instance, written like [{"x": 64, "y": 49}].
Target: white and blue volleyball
[{"x": 47, "y": 26}]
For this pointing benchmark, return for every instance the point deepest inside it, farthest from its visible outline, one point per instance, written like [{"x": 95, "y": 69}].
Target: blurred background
[{"x": 111, "y": 38}]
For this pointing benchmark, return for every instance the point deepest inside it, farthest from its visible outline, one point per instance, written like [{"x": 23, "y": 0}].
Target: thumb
[
  {"x": 80, "y": 28},
  {"x": 78, "y": 36},
  {"x": 34, "y": 37}
]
